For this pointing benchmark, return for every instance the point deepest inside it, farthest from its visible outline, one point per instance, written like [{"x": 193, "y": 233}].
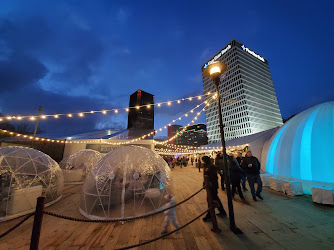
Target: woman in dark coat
[
  {"x": 211, "y": 171},
  {"x": 235, "y": 175}
]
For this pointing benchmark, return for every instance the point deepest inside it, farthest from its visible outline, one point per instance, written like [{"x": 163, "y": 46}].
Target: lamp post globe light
[{"x": 214, "y": 71}]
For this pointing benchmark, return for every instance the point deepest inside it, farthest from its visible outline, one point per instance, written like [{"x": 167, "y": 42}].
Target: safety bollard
[
  {"x": 211, "y": 205},
  {"x": 36, "y": 230}
]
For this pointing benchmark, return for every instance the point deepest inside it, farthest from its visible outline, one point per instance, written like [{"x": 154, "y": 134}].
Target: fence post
[
  {"x": 211, "y": 205},
  {"x": 36, "y": 230}
]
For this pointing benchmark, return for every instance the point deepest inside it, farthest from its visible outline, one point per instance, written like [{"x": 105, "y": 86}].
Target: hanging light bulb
[{"x": 69, "y": 115}]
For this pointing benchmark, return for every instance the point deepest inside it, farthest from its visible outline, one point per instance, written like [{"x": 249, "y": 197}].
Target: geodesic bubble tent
[
  {"x": 26, "y": 174},
  {"x": 79, "y": 164},
  {"x": 129, "y": 181}
]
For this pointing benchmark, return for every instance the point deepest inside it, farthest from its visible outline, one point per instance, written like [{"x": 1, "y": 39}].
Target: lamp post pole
[
  {"x": 233, "y": 227},
  {"x": 40, "y": 108},
  {"x": 214, "y": 71}
]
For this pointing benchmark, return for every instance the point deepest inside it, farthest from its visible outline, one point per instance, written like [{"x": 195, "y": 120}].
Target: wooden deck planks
[{"x": 278, "y": 222}]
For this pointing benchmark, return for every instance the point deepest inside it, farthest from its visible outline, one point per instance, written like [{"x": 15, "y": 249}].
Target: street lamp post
[{"x": 215, "y": 71}]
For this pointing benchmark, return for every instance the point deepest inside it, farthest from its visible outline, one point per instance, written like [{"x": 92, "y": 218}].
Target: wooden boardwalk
[{"x": 278, "y": 222}]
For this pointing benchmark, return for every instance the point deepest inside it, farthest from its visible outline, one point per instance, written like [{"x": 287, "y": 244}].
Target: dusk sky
[{"x": 71, "y": 56}]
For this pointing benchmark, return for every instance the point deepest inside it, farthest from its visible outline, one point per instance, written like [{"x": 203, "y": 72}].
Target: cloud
[
  {"x": 123, "y": 15},
  {"x": 20, "y": 71},
  {"x": 206, "y": 55}
]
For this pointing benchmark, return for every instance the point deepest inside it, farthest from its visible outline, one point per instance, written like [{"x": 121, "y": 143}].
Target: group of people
[
  {"x": 179, "y": 161},
  {"x": 240, "y": 169}
]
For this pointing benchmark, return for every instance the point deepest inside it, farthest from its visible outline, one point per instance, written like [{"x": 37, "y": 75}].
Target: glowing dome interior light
[{"x": 300, "y": 149}]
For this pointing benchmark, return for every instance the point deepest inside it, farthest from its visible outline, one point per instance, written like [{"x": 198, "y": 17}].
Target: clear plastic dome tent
[
  {"x": 129, "y": 181},
  {"x": 76, "y": 167},
  {"x": 26, "y": 174}
]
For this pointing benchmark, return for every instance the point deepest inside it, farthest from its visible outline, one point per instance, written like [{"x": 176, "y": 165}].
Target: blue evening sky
[{"x": 71, "y": 56}]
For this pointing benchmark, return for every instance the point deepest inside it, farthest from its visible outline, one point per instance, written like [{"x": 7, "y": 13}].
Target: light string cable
[
  {"x": 104, "y": 111},
  {"x": 36, "y": 138}
]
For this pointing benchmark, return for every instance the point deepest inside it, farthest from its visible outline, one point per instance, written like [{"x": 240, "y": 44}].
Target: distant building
[
  {"x": 172, "y": 130},
  {"x": 194, "y": 135},
  {"x": 248, "y": 98},
  {"x": 141, "y": 113}
]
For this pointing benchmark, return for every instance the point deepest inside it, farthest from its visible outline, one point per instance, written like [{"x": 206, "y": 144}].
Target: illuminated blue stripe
[
  {"x": 272, "y": 149},
  {"x": 305, "y": 148}
]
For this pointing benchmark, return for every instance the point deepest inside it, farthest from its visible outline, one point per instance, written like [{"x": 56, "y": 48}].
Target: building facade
[
  {"x": 141, "y": 113},
  {"x": 248, "y": 98},
  {"x": 172, "y": 130},
  {"x": 194, "y": 135}
]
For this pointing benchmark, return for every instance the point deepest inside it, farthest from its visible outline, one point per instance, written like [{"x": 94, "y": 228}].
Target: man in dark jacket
[
  {"x": 252, "y": 167},
  {"x": 220, "y": 169},
  {"x": 243, "y": 175},
  {"x": 211, "y": 171}
]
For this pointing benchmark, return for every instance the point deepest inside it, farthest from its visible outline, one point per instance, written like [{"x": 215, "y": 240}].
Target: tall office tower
[
  {"x": 248, "y": 98},
  {"x": 141, "y": 119}
]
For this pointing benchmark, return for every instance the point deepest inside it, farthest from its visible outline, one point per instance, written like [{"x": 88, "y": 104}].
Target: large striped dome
[{"x": 302, "y": 148}]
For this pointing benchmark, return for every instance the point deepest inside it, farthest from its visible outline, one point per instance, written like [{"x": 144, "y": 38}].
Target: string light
[
  {"x": 104, "y": 112},
  {"x": 70, "y": 115},
  {"x": 165, "y": 143}
]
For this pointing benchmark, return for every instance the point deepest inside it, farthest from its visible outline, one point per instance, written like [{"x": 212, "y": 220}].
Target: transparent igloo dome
[
  {"x": 128, "y": 181},
  {"x": 84, "y": 159},
  {"x": 26, "y": 174}
]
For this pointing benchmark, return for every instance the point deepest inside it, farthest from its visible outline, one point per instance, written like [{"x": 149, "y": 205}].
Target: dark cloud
[{"x": 20, "y": 71}]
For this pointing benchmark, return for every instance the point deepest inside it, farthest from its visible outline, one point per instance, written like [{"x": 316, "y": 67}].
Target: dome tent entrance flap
[{"x": 129, "y": 181}]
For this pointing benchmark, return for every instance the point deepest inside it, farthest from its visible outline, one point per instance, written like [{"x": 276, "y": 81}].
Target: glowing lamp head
[{"x": 215, "y": 70}]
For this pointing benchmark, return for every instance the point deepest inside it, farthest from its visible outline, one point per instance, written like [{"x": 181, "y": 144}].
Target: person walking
[
  {"x": 243, "y": 175},
  {"x": 219, "y": 163},
  {"x": 170, "y": 214},
  {"x": 199, "y": 165},
  {"x": 235, "y": 176},
  {"x": 252, "y": 166},
  {"x": 211, "y": 171}
]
